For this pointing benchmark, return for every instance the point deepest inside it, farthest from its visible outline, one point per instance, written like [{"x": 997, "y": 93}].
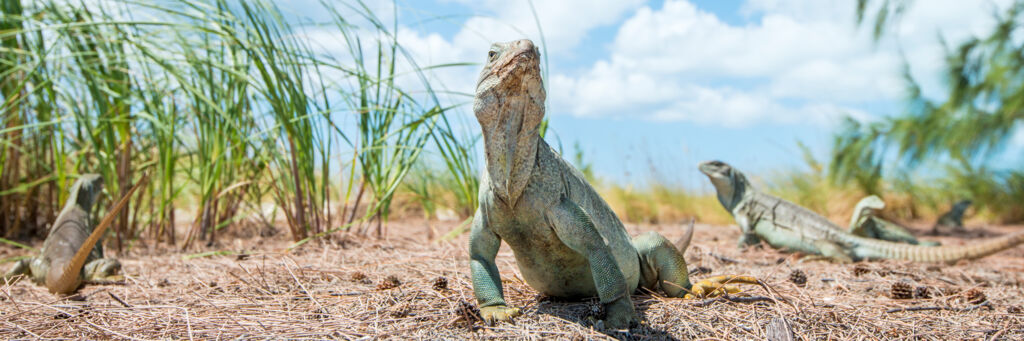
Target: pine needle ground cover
[{"x": 410, "y": 288}]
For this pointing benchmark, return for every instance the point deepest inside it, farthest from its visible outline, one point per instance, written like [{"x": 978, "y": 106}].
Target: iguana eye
[{"x": 491, "y": 55}]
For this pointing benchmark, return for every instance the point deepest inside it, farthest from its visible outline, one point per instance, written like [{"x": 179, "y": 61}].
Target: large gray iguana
[
  {"x": 866, "y": 223},
  {"x": 567, "y": 241},
  {"x": 71, "y": 255},
  {"x": 786, "y": 225}
]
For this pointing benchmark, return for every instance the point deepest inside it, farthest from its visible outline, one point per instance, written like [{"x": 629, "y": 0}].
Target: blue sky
[{"x": 662, "y": 85}]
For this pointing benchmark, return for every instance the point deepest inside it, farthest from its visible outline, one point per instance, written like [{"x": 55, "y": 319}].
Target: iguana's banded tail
[
  {"x": 877, "y": 249},
  {"x": 68, "y": 281}
]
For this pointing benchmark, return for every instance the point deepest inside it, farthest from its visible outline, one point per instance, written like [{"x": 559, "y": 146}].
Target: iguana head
[
  {"x": 866, "y": 207},
  {"x": 961, "y": 206},
  {"x": 509, "y": 105},
  {"x": 85, "y": 190},
  {"x": 729, "y": 182}
]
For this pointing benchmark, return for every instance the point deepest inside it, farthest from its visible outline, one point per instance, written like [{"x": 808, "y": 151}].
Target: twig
[
  {"x": 928, "y": 308},
  {"x": 737, "y": 299},
  {"x": 118, "y": 299}
]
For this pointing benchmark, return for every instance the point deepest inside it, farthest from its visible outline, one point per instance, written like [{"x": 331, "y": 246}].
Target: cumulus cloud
[
  {"x": 801, "y": 62},
  {"x": 794, "y": 61}
]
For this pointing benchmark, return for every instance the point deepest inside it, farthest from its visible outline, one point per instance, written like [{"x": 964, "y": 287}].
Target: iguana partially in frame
[
  {"x": 865, "y": 223},
  {"x": 71, "y": 254},
  {"x": 785, "y": 225},
  {"x": 567, "y": 241}
]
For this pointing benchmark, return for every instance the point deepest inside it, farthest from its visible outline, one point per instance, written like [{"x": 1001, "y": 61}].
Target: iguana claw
[
  {"x": 717, "y": 286},
  {"x": 498, "y": 313}
]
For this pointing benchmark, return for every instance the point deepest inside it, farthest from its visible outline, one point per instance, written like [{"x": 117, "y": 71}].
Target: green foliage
[
  {"x": 983, "y": 107},
  {"x": 223, "y": 101}
]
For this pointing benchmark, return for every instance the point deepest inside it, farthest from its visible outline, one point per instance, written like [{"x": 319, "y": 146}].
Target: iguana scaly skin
[
  {"x": 865, "y": 223},
  {"x": 788, "y": 226},
  {"x": 954, "y": 218},
  {"x": 567, "y": 241},
  {"x": 71, "y": 255}
]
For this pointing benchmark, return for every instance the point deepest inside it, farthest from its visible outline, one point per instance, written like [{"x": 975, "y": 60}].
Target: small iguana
[
  {"x": 71, "y": 255},
  {"x": 567, "y": 241},
  {"x": 865, "y": 223},
  {"x": 954, "y": 218},
  {"x": 785, "y": 225}
]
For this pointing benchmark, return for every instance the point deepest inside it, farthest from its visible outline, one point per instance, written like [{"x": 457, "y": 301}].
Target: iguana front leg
[
  {"x": 747, "y": 235},
  {"x": 576, "y": 229},
  {"x": 483, "y": 247}
]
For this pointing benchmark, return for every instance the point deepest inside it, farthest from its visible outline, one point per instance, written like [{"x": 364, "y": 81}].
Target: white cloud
[
  {"x": 791, "y": 62},
  {"x": 565, "y": 23},
  {"x": 795, "y": 61}
]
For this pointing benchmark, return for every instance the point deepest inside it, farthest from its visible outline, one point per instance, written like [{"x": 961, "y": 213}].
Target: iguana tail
[
  {"x": 69, "y": 281},
  {"x": 870, "y": 248}
]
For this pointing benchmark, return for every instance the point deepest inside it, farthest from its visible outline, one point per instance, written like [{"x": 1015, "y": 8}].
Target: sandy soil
[{"x": 407, "y": 287}]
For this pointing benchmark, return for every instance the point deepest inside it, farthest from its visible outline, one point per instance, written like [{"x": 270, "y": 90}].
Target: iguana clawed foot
[
  {"x": 498, "y": 313},
  {"x": 620, "y": 314},
  {"x": 718, "y": 286}
]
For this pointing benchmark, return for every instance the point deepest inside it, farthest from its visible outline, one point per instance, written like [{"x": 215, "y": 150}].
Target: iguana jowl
[
  {"x": 71, "y": 254},
  {"x": 785, "y": 225},
  {"x": 567, "y": 241}
]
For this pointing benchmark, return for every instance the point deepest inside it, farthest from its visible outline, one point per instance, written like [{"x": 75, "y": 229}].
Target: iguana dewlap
[
  {"x": 785, "y": 225},
  {"x": 566, "y": 240},
  {"x": 57, "y": 267}
]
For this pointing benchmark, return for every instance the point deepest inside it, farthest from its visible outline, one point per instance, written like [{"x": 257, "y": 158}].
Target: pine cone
[
  {"x": 440, "y": 283},
  {"x": 901, "y": 291},
  {"x": 798, "y": 277},
  {"x": 389, "y": 282},
  {"x": 922, "y": 292},
  {"x": 360, "y": 277},
  {"x": 975, "y": 296},
  {"x": 861, "y": 270}
]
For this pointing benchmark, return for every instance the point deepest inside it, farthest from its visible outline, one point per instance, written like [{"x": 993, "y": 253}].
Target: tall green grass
[{"x": 224, "y": 103}]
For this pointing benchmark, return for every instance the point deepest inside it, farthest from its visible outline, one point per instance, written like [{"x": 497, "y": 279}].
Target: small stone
[
  {"x": 798, "y": 277},
  {"x": 389, "y": 282},
  {"x": 1013, "y": 309},
  {"x": 901, "y": 291}
]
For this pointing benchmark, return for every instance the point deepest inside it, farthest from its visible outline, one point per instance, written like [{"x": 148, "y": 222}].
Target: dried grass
[{"x": 310, "y": 293}]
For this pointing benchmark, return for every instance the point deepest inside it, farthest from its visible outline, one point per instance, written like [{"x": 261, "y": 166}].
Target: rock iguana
[
  {"x": 786, "y": 225},
  {"x": 567, "y": 241},
  {"x": 71, "y": 255},
  {"x": 865, "y": 223},
  {"x": 954, "y": 218}
]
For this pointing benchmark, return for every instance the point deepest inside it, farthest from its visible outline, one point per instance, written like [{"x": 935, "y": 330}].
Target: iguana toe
[{"x": 498, "y": 313}]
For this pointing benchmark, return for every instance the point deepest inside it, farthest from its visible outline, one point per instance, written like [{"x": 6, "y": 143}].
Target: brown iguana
[
  {"x": 954, "y": 218},
  {"x": 865, "y": 223},
  {"x": 71, "y": 255},
  {"x": 567, "y": 241},
  {"x": 786, "y": 225}
]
